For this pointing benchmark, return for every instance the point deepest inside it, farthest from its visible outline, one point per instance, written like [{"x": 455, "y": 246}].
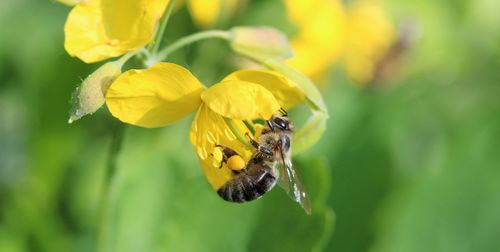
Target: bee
[{"x": 269, "y": 165}]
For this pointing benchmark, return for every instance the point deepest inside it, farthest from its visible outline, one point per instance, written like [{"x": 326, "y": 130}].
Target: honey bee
[{"x": 269, "y": 164}]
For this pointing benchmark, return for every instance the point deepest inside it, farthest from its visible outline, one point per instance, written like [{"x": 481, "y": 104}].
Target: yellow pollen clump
[{"x": 235, "y": 163}]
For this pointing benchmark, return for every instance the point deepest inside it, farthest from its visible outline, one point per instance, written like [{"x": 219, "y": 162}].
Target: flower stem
[
  {"x": 153, "y": 47},
  {"x": 127, "y": 56},
  {"x": 103, "y": 226},
  {"x": 116, "y": 143},
  {"x": 163, "y": 54}
]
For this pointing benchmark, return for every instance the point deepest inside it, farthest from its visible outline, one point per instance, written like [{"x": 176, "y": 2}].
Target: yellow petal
[
  {"x": 207, "y": 12},
  {"x": 100, "y": 29},
  {"x": 285, "y": 91},
  {"x": 370, "y": 35},
  {"x": 319, "y": 41},
  {"x": 240, "y": 100},
  {"x": 207, "y": 130},
  {"x": 154, "y": 97}
]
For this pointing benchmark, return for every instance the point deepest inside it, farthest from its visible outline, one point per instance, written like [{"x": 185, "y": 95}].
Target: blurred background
[{"x": 409, "y": 161}]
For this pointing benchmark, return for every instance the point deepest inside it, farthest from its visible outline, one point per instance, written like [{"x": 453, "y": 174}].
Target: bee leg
[
  {"x": 239, "y": 171},
  {"x": 257, "y": 145},
  {"x": 226, "y": 154},
  {"x": 252, "y": 141},
  {"x": 224, "y": 160}
]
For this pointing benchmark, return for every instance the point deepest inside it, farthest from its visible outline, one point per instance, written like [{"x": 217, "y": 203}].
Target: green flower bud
[
  {"x": 260, "y": 43},
  {"x": 89, "y": 96}
]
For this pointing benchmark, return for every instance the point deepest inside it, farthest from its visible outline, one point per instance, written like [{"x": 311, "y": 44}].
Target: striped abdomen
[{"x": 249, "y": 185}]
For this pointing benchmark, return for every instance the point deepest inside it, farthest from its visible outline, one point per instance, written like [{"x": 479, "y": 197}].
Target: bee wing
[{"x": 290, "y": 182}]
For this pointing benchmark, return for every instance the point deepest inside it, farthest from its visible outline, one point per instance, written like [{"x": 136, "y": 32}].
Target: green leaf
[{"x": 284, "y": 226}]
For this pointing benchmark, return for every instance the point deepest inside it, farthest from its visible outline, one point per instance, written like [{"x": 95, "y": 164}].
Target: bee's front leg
[{"x": 252, "y": 141}]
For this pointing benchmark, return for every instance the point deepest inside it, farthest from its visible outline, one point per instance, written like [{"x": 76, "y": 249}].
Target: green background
[{"x": 410, "y": 166}]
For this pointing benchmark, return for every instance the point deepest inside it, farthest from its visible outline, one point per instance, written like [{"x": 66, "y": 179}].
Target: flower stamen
[{"x": 230, "y": 124}]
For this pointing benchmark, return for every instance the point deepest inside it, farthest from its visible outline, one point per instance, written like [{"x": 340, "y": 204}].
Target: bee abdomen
[{"x": 246, "y": 187}]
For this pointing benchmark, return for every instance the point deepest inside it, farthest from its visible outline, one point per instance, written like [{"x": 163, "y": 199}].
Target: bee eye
[{"x": 280, "y": 123}]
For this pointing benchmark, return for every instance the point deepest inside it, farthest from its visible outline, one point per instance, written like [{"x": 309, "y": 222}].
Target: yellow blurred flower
[
  {"x": 166, "y": 92},
  {"x": 360, "y": 34},
  {"x": 370, "y": 35},
  {"x": 320, "y": 24},
  {"x": 96, "y": 30}
]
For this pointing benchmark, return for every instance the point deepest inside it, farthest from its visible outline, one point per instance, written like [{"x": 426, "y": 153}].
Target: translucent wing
[{"x": 290, "y": 182}]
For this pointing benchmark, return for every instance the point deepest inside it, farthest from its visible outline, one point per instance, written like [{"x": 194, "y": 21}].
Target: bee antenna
[{"x": 283, "y": 112}]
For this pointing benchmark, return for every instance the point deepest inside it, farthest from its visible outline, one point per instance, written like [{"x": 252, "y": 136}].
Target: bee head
[{"x": 280, "y": 123}]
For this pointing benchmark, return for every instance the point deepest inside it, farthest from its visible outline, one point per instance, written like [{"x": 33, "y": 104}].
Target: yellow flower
[
  {"x": 96, "y": 30},
  {"x": 361, "y": 34},
  {"x": 327, "y": 32},
  {"x": 320, "y": 24},
  {"x": 370, "y": 35},
  {"x": 166, "y": 92}
]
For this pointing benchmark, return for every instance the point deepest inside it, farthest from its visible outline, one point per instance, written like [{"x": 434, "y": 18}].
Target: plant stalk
[{"x": 103, "y": 226}]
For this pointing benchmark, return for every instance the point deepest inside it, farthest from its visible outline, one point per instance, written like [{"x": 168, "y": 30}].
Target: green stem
[
  {"x": 115, "y": 147},
  {"x": 163, "y": 54},
  {"x": 103, "y": 232},
  {"x": 229, "y": 122},
  {"x": 127, "y": 56},
  {"x": 153, "y": 47}
]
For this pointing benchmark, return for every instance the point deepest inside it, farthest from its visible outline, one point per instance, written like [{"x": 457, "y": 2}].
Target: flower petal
[
  {"x": 371, "y": 34},
  {"x": 154, "y": 97},
  {"x": 207, "y": 130},
  {"x": 206, "y": 13},
  {"x": 319, "y": 41},
  {"x": 285, "y": 91},
  {"x": 100, "y": 29},
  {"x": 240, "y": 100}
]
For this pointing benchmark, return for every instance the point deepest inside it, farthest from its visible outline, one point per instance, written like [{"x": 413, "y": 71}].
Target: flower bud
[
  {"x": 89, "y": 96},
  {"x": 260, "y": 43}
]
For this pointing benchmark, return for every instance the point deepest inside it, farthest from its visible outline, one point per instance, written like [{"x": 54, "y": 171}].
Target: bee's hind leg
[
  {"x": 226, "y": 154},
  {"x": 224, "y": 160}
]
